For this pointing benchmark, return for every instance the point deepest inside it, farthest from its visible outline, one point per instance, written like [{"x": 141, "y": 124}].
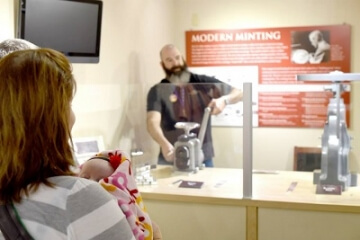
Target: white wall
[
  {"x": 7, "y": 19},
  {"x": 111, "y": 95}
]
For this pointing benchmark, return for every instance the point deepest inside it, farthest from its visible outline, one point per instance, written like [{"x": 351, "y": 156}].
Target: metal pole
[
  {"x": 247, "y": 140},
  {"x": 338, "y": 93}
]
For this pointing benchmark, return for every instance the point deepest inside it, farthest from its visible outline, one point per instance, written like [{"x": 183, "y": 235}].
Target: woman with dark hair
[{"x": 36, "y": 153}]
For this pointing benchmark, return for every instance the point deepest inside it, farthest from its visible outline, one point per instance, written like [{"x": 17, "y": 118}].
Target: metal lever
[{"x": 204, "y": 125}]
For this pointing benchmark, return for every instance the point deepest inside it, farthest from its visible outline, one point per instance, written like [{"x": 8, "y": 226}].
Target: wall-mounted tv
[{"x": 72, "y": 27}]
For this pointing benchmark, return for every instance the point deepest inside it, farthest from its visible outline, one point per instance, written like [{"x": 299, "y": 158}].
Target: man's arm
[
  {"x": 153, "y": 120},
  {"x": 218, "y": 104}
]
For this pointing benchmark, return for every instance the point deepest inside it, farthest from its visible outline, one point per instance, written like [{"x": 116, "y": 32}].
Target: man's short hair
[{"x": 11, "y": 45}]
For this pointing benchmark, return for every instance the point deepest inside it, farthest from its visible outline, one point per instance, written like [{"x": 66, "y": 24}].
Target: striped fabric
[{"x": 76, "y": 208}]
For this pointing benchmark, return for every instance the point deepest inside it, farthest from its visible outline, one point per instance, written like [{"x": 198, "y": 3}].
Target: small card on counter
[
  {"x": 191, "y": 184},
  {"x": 328, "y": 189}
]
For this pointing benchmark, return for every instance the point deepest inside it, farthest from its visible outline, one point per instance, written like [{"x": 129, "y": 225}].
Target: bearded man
[{"x": 182, "y": 96}]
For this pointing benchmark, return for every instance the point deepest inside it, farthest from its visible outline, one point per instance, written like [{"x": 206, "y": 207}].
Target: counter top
[{"x": 271, "y": 189}]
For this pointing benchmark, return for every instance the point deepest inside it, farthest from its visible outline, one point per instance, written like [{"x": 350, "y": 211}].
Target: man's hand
[
  {"x": 168, "y": 152},
  {"x": 217, "y": 105}
]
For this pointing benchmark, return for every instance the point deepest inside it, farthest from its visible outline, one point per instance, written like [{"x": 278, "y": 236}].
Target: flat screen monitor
[{"x": 72, "y": 27}]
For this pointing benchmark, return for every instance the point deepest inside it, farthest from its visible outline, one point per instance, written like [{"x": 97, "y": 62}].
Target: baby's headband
[
  {"x": 113, "y": 159},
  {"x": 100, "y": 157}
]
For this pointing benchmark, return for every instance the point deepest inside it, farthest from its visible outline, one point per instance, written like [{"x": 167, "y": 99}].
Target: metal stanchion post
[{"x": 247, "y": 141}]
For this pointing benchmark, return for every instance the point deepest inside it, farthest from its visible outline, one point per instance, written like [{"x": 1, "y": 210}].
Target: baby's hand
[{"x": 156, "y": 231}]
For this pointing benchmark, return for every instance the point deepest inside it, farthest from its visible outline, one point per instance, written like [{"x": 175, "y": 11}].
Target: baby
[{"x": 112, "y": 169}]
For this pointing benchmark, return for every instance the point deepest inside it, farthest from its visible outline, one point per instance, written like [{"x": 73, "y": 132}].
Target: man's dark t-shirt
[{"x": 185, "y": 103}]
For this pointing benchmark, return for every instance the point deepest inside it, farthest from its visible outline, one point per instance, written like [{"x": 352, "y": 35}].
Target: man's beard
[
  {"x": 177, "y": 74},
  {"x": 176, "y": 70}
]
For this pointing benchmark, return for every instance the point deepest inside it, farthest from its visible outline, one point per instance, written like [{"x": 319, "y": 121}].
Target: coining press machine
[{"x": 335, "y": 140}]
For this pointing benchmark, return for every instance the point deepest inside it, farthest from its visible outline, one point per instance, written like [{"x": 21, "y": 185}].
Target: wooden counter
[{"x": 218, "y": 211}]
